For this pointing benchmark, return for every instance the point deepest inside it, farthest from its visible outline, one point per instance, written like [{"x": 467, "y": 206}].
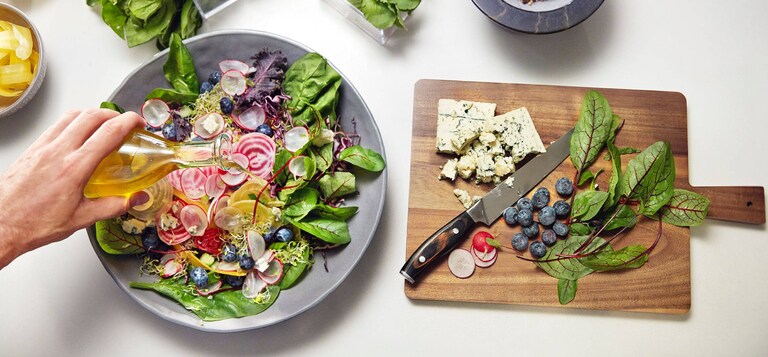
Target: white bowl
[{"x": 9, "y": 106}]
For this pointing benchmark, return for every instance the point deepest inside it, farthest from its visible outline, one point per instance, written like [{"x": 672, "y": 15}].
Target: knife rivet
[
  {"x": 422, "y": 259},
  {"x": 455, "y": 231}
]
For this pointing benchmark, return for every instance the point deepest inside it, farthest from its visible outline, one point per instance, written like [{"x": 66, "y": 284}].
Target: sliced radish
[
  {"x": 296, "y": 138},
  {"x": 491, "y": 258},
  {"x": 263, "y": 262},
  {"x": 259, "y": 149},
  {"x": 233, "y": 82},
  {"x": 209, "y": 170},
  {"x": 461, "y": 263},
  {"x": 227, "y": 266},
  {"x": 210, "y": 289},
  {"x": 171, "y": 268},
  {"x": 297, "y": 166},
  {"x": 194, "y": 220},
  {"x": 174, "y": 235},
  {"x": 175, "y": 178},
  {"x": 228, "y": 65},
  {"x": 251, "y": 118},
  {"x": 484, "y": 256},
  {"x": 215, "y": 186},
  {"x": 216, "y": 205},
  {"x": 234, "y": 177},
  {"x": 256, "y": 244},
  {"x": 252, "y": 285},
  {"x": 273, "y": 273},
  {"x": 228, "y": 218},
  {"x": 209, "y": 125},
  {"x": 193, "y": 183},
  {"x": 156, "y": 112}
]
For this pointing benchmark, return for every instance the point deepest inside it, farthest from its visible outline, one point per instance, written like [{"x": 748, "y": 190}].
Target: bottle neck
[{"x": 215, "y": 152}]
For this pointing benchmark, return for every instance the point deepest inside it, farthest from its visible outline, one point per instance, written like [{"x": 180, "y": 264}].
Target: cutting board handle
[{"x": 735, "y": 204}]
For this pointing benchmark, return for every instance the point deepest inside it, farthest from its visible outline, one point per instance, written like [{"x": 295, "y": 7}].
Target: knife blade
[
  {"x": 488, "y": 209},
  {"x": 209, "y": 8}
]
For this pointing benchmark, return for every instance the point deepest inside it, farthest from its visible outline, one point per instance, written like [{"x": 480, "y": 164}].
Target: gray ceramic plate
[{"x": 207, "y": 51}]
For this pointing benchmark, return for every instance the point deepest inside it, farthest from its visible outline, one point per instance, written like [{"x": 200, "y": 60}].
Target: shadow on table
[{"x": 12, "y": 127}]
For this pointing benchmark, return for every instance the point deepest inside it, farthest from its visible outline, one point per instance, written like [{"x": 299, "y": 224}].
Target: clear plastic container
[{"x": 356, "y": 17}]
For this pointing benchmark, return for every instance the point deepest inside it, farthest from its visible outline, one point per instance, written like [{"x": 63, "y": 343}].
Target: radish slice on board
[
  {"x": 209, "y": 125},
  {"x": 256, "y": 244},
  {"x": 296, "y": 138},
  {"x": 228, "y": 218},
  {"x": 273, "y": 273},
  {"x": 251, "y": 118},
  {"x": 252, "y": 285},
  {"x": 210, "y": 289},
  {"x": 175, "y": 178},
  {"x": 461, "y": 263},
  {"x": 233, "y": 82},
  {"x": 259, "y": 149},
  {"x": 228, "y": 65},
  {"x": 487, "y": 259},
  {"x": 194, "y": 219},
  {"x": 215, "y": 186},
  {"x": 156, "y": 112},
  {"x": 193, "y": 183},
  {"x": 171, "y": 268}
]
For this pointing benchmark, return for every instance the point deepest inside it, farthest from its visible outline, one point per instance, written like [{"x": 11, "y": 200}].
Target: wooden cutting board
[{"x": 662, "y": 285}]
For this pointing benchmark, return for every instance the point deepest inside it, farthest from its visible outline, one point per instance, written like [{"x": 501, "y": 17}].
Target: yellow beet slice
[
  {"x": 15, "y": 73},
  {"x": 8, "y": 41},
  {"x": 24, "y": 36},
  {"x": 9, "y": 93}
]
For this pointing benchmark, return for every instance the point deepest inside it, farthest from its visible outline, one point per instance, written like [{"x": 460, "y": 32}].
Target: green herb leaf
[
  {"x": 628, "y": 150},
  {"x": 112, "y": 106},
  {"x": 405, "y": 5},
  {"x": 323, "y": 156},
  {"x": 281, "y": 158},
  {"x": 114, "y": 17},
  {"x": 377, "y": 12},
  {"x": 613, "y": 184},
  {"x": 625, "y": 258},
  {"x": 493, "y": 243},
  {"x": 179, "y": 69},
  {"x": 190, "y": 20},
  {"x": 113, "y": 240},
  {"x": 591, "y": 131},
  {"x": 588, "y": 175},
  {"x": 337, "y": 213},
  {"x": 650, "y": 178},
  {"x": 301, "y": 203},
  {"x": 569, "y": 269},
  {"x": 138, "y": 31},
  {"x": 685, "y": 209},
  {"x": 329, "y": 230},
  {"x": 363, "y": 158},
  {"x": 616, "y": 124},
  {"x": 580, "y": 229},
  {"x": 293, "y": 272},
  {"x": 220, "y": 306},
  {"x": 566, "y": 290},
  {"x": 172, "y": 95},
  {"x": 93, "y": 3},
  {"x": 587, "y": 204},
  {"x": 291, "y": 186},
  {"x": 143, "y": 9},
  {"x": 313, "y": 86},
  {"x": 625, "y": 218},
  {"x": 337, "y": 184}
]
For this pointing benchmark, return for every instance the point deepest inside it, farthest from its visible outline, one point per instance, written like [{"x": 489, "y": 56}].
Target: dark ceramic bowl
[{"x": 540, "y": 16}]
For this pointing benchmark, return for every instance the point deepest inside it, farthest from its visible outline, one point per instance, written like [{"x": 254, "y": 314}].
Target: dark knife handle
[{"x": 440, "y": 243}]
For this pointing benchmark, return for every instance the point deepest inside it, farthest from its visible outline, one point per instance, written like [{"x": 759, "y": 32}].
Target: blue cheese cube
[
  {"x": 517, "y": 133},
  {"x": 459, "y": 123},
  {"x": 449, "y": 170}
]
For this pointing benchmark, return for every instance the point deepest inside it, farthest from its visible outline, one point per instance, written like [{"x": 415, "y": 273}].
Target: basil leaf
[
  {"x": 363, "y": 158},
  {"x": 179, "y": 69},
  {"x": 615, "y": 260},
  {"x": 329, "y": 230},
  {"x": 112, "y": 106},
  {"x": 650, "y": 178},
  {"x": 190, "y": 20},
  {"x": 301, "y": 203},
  {"x": 113, "y": 240},
  {"x": 143, "y": 9},
  {"x": 569, "y": 269},
  {"x": 138, "y": 31},
  {"x": 219, "y": 306},
  {"x": 172, "y": 95},
  {"x": 566, "y": 290},
  {"x": 337, "y": 184},
  {"x": 685, "y": 209},
  {"x": 337, "y": 213},
  {"x": 587, "y": 204},
  {"x": 378, "y": 13},
  {"x": 625, "y": 218},
  {"x": 114, "y": 17},
  {"x": 591, "y": 131},
  {"x": 405, "y": 5},
  {"x": 313, "y": 85}
]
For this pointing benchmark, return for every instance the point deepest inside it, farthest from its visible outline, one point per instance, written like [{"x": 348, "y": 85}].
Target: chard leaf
[
  {"x": 337, "y": 213},
  {"x": 179, "y": 69},
  {"x": 628, "y": 150},
  {"x": 569, "y": 269},
  {"x": 625, "y": 258},
  {"x": 219, "y": 306},
  {"x": 591, "y": 131},
  {"x": 363, "y": 158},
  {"x": 613, "y": 184},
  {"x": 172, "y": 95},
  {"x": 625, "y": 218},
  {"x": 650, "y": 178},
  {"x": 143, "y": 9},
  {"x": 685, "y": 209},
  {"x": 580, "y": 229},
  {"x": 616, "y": 124},
  {"x": 566, "y": 290},
  {"x": 281, "y": 159},
  {"x": 301, "y": 203},
  {"x": 313, "y": 86},
  {"x": 112, "y": 106},
  {"x": 291, "y": 186},
  {"x": 587, "y": 204},
  {"x": 588, "y": 175},
  {"x": 329, "y": 230},
  {"x": 113, "y": 240},
  {"x": 337, "y": 184},
  {"x": 323, "y": 156},
  {"x": 114, "y": 17}
]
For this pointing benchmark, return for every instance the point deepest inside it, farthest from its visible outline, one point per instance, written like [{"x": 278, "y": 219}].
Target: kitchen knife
[
  {"x": 487, "y": 209},
  {"x": 209, "y": 8}
]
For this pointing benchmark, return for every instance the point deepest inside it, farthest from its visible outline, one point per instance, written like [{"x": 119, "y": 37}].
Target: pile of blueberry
[{"x": 522, "y": 213}]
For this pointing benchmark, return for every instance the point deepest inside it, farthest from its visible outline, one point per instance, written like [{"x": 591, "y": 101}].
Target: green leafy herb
[
  {"x": 337, "y": 184},
  {"x": 613, "y": 184},
  {"x": 363, "y": 158},
  {"x": 629, "y": 257},
  {"x": 323, "y": 156},
  {"x": 171, "y": 95},
  {"x": 313, "y": 86},
  {"x": 493, "y": 243},
  {"x": 685, "y": 209},
  {"x": 626, "y": 217},
  {"x": 330, "y": 230},
  {"x": 587, "y": 204},
  {"x": 301, "y": 202},
  {"x": 592, "y": 130},
  {"x": 589, "y": 176},
  {"x": 650, "y": 178},
  {"x": 112, "y": 106},
  {"x": 179, "y": 69},
  {"x": 566, "y": 290},
  {"x": 580, "y": 229},
  {"x": 570, "y": 269},
  {"x": 342, "y": 213},
  {"x": 384, "y": 14},
  {"x": 113, "y": 240}
]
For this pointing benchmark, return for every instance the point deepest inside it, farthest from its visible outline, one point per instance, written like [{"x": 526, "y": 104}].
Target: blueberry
[
  {"x": 228, "y": 253},
  {"x": 265, "y": 129},
  {"x": 206, "y": 87},
  {"x": 524, "y": 203},
  {"x": 531, "y": 231},
  {"x": 538, "y": 249},
  {"x": 547, "y": 216},
  {"x": 214, "y": 77},
  {"x": 519, "y": 242},
  {"x": 525, "y": 217},
  {"x": 199, "y": 277},
  {"x": 226, "y": 104},
  {"x": 284, "y": 234},
  {"x": 564, "y": 187},
  {"x": 562, "y": 209},
  {"x": 247, "y": 263},
  {"x": 560, "y": 229},
  {"x": 269, "y": 236},
  {"x": 540, "y": 198},
  {"x": 549, "y": 237},
  {"x": 149, "y": 239},
  {"x": 169, "y": 131},
  {"x": 233, "y": 281},
  {"x": 510, "y": 216}
]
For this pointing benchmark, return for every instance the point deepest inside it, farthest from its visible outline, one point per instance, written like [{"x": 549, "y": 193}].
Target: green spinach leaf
[
  {"x": 591, "y": 131},
  {"x": 614, "y": 194},
  {"x": 179, "y": 69},
  {"x": 626, "y": 217},
  {"x": 190, "y": 20},
  {"x": 363, "y": 158},
  {"x": 685, "y": 209},
  {"x": 172, "y": 95},
  {"x": 138, "y": 31},
  {"x": 114, "y": 17},
  {"x": 323, "y": 156},
  {"x": 143, "y": 9},
  {"x": 580, "y": 229},
  {"x": 313, "y": 86}
]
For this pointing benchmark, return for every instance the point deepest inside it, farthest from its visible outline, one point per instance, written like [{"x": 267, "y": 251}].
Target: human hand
[{"x": 42, "y": 192}]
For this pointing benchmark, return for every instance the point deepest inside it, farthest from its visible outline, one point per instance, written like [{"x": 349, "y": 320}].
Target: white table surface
[{"x": 59, "y": 300}]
